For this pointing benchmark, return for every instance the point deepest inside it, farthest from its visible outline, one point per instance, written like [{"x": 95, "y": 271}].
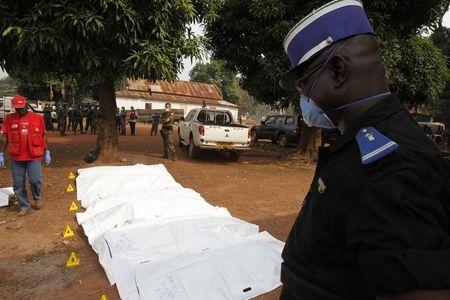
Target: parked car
[
  {"x": 206, "y": 128},
  {"x": 435, "y": 130},
  {"x": 281, "y": 129}
]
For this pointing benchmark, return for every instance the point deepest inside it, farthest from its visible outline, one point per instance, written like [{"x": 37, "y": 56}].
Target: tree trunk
[
  {"x": 106, "y": 131},
  {"x": 310, "y": 140}
]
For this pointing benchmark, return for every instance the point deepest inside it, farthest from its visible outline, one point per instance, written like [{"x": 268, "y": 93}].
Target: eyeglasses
[{"x": 303, "y": 81}]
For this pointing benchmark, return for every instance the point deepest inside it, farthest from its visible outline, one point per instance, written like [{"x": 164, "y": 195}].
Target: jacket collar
[{"x": 379, "y": 112}]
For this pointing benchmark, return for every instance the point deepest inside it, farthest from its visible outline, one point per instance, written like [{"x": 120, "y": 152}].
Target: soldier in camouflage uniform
[
  {"x": 167, "y": 132},
  {"x": 62, "y": 119}
]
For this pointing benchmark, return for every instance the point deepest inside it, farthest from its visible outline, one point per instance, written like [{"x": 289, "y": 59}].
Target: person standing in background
[
  {"x": 62, "y": 117},
  {"x": 155, "y": 123},
  {"x": 69, "y": 115},
  {"x": 133, "y": 119},
  {"x": 167, "y": 132},
  {"x": 122, "y": 124},
  {"x": 48, "y": 117},
  {"x": 90, "y": 119},
  {"x": 81, "y": 117}
]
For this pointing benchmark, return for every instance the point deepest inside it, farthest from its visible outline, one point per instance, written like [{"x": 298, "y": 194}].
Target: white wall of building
[{"x": 187, "y": 107}]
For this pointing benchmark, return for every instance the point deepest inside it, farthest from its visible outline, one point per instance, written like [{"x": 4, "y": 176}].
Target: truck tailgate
[{"x": 226, "y": 134}]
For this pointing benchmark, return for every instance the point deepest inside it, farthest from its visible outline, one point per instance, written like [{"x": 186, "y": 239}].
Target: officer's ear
[{"x": 339, "y": 70}]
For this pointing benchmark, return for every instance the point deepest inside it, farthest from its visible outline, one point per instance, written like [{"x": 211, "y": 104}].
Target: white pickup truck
[{"x": 206, "y": 128}]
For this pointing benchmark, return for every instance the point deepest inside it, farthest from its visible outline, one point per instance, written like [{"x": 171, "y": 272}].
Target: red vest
[{"x": 27, "y": 129}]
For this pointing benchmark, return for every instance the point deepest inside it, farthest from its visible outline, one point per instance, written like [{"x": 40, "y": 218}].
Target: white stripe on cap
[
  {"x": 315, "y": 14},
  {"x": 316, "y": 49}
]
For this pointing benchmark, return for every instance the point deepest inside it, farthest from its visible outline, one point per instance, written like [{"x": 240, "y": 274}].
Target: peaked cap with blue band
[{"x": 331, "y": 23}]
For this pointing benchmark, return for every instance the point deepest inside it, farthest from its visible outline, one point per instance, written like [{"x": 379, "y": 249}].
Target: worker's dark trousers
[{"x": 21, "y": 170}]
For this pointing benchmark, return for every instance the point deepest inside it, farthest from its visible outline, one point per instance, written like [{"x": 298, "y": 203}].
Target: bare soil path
[{"x": 260, "y": 188}]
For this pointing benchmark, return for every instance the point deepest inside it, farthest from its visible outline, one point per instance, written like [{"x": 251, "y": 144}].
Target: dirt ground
[{"x": 262, "y": 187}]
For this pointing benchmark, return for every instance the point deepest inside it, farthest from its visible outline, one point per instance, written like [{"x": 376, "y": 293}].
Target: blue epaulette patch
[{"x": 373, "y": 145}]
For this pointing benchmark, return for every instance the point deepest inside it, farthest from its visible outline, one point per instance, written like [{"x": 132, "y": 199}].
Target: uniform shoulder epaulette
[{"x": 373, "y": 145}]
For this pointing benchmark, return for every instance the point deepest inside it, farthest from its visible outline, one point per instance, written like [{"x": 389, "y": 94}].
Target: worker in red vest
[{"x": 23, "y": 133}]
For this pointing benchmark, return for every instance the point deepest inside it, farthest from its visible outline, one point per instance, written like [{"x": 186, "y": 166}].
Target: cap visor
[
  {"x": 289, "y": 81},
  {"x": 19, "y": 105}
]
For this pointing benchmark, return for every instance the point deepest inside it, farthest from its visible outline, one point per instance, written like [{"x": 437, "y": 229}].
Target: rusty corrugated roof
[{"x": 179, "y": 91}]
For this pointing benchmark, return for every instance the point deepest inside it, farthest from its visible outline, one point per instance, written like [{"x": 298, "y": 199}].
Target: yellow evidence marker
[
  {"x": 70, "y": 188},
  {"x": 73, "y": 261},
  {"x": 73, "y": 207},
  {"x": 68, "y": 232},
  {"x": 103, "y": 297},
  {"x": 71, "y": 175}
]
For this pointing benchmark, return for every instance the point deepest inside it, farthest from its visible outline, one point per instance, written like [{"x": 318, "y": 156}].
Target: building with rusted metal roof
[{"x": 185, "y": 95}]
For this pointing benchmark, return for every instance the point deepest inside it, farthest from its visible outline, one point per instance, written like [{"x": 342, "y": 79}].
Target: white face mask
[{"x": 313, "y": 115}]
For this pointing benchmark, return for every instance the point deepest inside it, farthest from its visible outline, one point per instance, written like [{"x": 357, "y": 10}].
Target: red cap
[{"x": 18, "y": 101}]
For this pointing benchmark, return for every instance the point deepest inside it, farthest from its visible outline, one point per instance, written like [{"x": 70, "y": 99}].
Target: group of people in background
[
  {"x": 82, "y": 118},
  {"x": 121, "y": 120}
]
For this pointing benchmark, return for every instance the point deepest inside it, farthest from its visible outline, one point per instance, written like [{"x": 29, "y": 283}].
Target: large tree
[
  {"x": 100, "y": 42},
  {"x": 215, "y": 72},
  {"x": 249, "y": 35},
  {"x": 441, "y": 38}
]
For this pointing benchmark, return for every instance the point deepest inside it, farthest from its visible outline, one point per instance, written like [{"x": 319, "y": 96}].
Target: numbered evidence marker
[
  {"x": 73, "y": 206},
  {"x": 71, "y": 175},
  {"x": 103, "y": 297},
  {"x": 70, "y": 188},
  {"x": 73, "y": 261},
  {"x": 68, "y": 232}
]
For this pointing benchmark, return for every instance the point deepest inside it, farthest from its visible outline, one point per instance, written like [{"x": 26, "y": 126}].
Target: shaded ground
[{"x": 261, "y": 188}]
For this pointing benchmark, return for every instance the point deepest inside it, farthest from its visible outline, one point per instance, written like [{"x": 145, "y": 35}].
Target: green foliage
[
  {"x": 441, "y": 109},
  {"x": 417, "y": 70},
  {"x": 215, "y": 72},
  {"x": 94, "y": 40},
  {"x": 8, "y": 87},
  {"x": 249, "y": 35}
]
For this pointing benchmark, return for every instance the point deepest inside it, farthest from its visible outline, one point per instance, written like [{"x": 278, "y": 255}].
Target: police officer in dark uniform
[
  {"x": 62, "y": 117},
  {"x": 80, "y": 117},
  {"x": 375, "y": 223},
  {"x": 167, "y": 132},
  {"x": 48, "y": 117}
]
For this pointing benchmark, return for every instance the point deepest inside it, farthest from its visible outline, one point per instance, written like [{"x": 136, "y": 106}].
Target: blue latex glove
[
  {"x": 48, "y": 158},
  {"x": 2, "y": 160}
]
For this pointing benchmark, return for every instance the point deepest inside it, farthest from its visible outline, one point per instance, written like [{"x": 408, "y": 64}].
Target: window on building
[{"x": 148, "y": 106}]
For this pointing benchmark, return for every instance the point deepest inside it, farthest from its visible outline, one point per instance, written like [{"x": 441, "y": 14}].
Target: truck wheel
[
  {"x": 193, "y": 150},
  {"x": 283, "y": 140},
  {"x": 234, "y": 155}
]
